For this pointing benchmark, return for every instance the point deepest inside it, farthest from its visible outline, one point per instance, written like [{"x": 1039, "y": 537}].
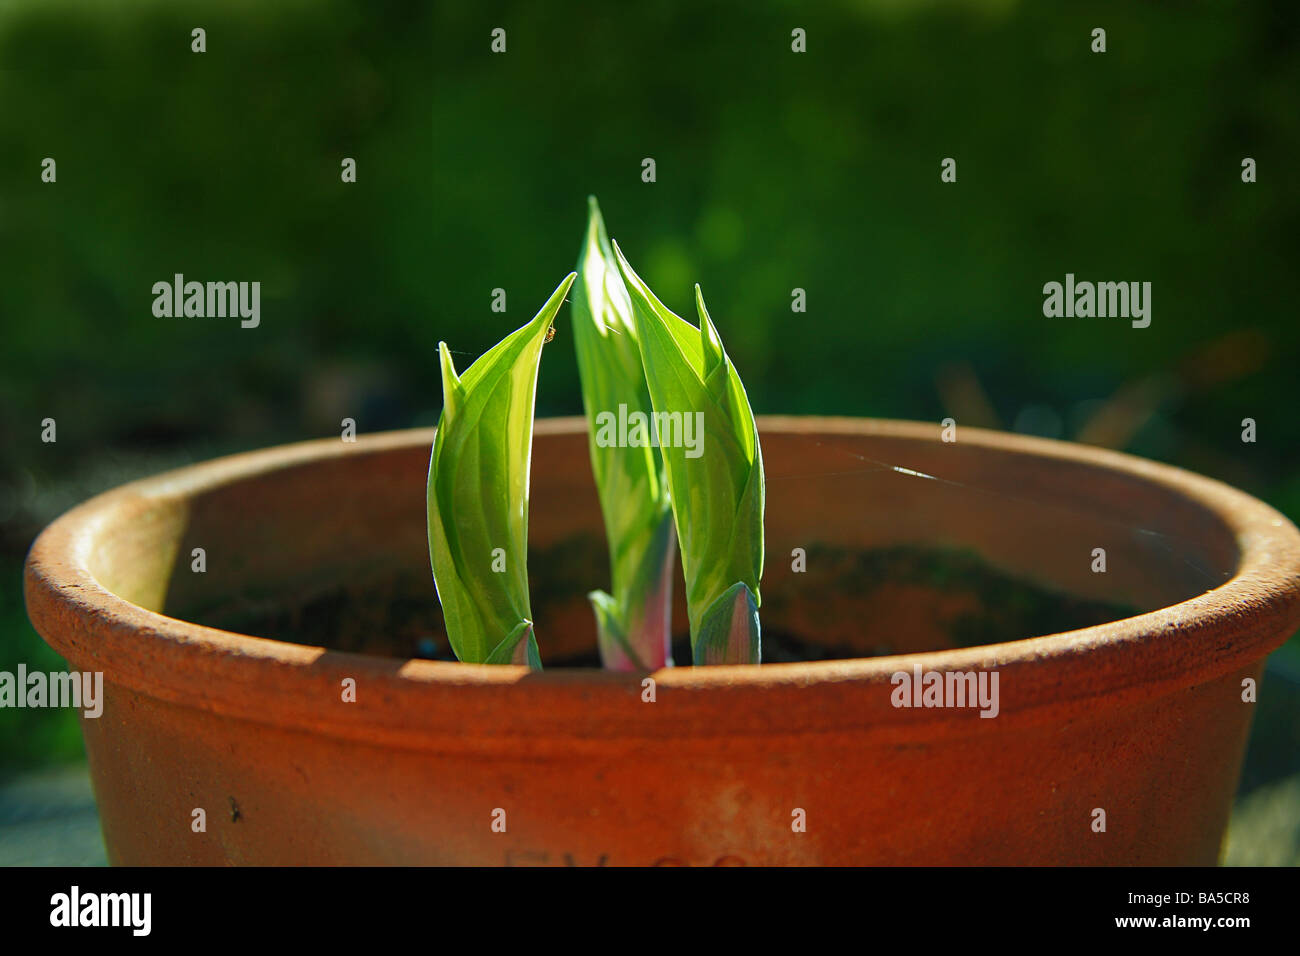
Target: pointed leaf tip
[
  {"x": 451, "y": 387},
  {"x": 557, "y": 297},
  {"x": 710, "y": 341}
]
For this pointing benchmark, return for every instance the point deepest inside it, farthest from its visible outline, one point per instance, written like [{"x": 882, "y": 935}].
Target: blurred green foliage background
[{"x": 775, "y": 170}]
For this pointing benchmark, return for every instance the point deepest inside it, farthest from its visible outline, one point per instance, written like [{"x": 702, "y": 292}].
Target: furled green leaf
[
  {"x": 716, "y": 486},
  {"x": 478, "y": 495},
  {"x": 634, "y": 623}
]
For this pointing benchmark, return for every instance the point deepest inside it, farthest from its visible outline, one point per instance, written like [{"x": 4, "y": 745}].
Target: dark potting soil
[{"x": 398, "y": 615}]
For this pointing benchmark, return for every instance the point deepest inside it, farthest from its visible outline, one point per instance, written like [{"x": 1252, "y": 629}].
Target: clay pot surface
[{"x": 1142, "y": 718}]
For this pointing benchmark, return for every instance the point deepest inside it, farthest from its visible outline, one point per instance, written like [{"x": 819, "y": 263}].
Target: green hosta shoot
[
  {"x": 716, "y": 487},
  {"x": 676, "y": 458},
  {"x": 478, "y": 496},
  {"x": 634, "y": 623}
]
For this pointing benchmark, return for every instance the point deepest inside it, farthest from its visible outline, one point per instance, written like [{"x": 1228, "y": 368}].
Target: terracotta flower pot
[{"x": 1142, "y": 718}]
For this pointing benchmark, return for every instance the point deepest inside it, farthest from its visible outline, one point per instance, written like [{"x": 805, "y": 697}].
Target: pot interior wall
[{"x": 998, "y": 546}]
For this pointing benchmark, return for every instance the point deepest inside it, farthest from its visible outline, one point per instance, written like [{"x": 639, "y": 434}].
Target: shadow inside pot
[{"x": 876, "y": 544}]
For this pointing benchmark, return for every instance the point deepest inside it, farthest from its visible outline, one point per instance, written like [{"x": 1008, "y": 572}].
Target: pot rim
[{"x": 1224, "y": 630}]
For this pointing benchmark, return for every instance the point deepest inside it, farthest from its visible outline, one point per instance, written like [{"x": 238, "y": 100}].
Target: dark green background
[{"x": 775, "y": 170}]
